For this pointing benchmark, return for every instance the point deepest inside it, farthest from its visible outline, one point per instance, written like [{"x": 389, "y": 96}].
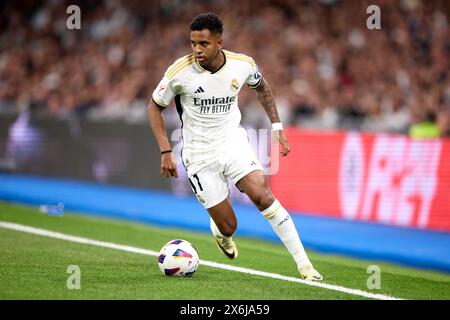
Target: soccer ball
[{"x": 178, "y": 258}]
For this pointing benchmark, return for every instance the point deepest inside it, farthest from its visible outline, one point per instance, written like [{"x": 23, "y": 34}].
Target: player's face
[{"x": 206, "y": 46}]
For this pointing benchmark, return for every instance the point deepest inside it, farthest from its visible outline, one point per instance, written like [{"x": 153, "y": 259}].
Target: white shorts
[{"x": 210, "y": 183}]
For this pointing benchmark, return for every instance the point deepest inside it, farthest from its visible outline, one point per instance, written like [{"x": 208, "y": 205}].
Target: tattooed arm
[{"x": 267, "y": 100}]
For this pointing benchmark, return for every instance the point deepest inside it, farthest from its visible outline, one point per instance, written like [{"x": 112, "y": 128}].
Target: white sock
[{"x": 284, "y": 227}]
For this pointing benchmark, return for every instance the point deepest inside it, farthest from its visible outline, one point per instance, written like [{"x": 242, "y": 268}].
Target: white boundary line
[{"x": 62, "y": 236}]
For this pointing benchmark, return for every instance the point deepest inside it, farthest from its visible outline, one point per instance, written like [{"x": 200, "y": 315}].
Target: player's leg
[
  {"x": 211, "y": 189},
  {"x": 256, "y": 186},
  {"x": 248, "y": 174},
  {"x": 223, "y": 225},
  {"x": 224, "y": 218}
]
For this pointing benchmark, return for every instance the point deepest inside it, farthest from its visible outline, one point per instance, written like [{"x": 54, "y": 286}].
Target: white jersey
[{"x": 207, "y": 102}]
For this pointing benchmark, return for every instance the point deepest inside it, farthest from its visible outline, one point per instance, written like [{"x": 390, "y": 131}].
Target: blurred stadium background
[{"x": 367, "y": 111}]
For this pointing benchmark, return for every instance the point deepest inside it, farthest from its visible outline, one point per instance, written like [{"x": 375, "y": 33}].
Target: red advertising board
[{"x": 382, "y": 178}]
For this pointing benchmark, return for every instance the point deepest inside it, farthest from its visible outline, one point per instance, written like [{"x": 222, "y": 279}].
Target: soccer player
[{"x": 205, "y": 85}]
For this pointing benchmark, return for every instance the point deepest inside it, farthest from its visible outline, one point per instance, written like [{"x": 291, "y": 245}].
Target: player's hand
[
  {"x": 280, "y": 137},
  {"x": 169, "y": 165}
]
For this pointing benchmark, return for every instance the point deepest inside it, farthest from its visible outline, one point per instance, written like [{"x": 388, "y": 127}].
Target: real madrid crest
[{"x": 234, "y": 85}]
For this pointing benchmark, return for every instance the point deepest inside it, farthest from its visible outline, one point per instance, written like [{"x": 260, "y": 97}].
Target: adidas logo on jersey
[{"x": 199, "y": 90}]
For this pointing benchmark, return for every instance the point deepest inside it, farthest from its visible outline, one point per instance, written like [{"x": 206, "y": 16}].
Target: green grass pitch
[{"x": 35, "y": 267}]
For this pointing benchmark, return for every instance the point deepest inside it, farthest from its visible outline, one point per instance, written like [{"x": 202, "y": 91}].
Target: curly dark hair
[{"x": 209, "y": 21}]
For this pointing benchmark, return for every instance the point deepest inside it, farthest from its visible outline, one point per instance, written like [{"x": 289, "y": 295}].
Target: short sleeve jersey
[{"x": 206, "y": 101}]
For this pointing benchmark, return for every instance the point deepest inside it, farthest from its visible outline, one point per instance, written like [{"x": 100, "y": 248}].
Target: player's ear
[{"x": 220, "y": 42}]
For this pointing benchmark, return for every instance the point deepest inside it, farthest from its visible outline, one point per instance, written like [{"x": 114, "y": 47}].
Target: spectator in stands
[
  {"x": 426, "y": 126},
  {"x": 443, "y": 122},
  {"x": 336, "y": 73}
]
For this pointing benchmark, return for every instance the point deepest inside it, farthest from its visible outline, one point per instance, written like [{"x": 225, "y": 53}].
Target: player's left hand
[{"x": 280, "y": 137}]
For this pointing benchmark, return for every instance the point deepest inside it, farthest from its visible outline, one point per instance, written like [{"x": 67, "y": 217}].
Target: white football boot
[
  {"x": 225, "y": 244},
  {"x": 309, "y": 273}
]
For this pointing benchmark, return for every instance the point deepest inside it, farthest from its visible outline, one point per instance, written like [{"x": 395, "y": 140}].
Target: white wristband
[{"x": 277, "y": 126}]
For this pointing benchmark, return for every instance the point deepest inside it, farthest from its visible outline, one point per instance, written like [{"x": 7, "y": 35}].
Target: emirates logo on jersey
[{"x": 234, "y": 85}]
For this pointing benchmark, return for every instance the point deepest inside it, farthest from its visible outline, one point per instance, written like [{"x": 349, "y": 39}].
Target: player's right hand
[{"x": 169, "y": 165}]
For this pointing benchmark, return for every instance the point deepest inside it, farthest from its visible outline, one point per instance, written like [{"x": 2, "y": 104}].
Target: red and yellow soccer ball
[{"x": 178, "y": 258}]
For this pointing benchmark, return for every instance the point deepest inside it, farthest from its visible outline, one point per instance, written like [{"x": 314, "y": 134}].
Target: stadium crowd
[{"x": 326, "y": 68}]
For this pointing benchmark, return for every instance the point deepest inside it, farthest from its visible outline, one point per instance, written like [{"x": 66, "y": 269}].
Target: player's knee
[
  {"x": 264, "y": 200},
  {"x": 227, "y": 228}
]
